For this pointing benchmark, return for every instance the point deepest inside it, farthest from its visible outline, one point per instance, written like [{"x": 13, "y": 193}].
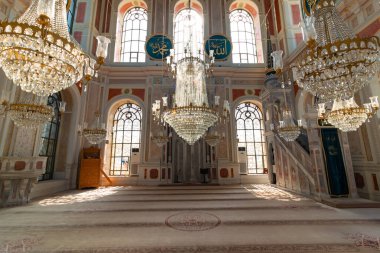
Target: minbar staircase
[{"x": 294, "y": 167}]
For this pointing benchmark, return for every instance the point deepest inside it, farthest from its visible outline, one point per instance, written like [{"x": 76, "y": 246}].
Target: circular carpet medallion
[{"x": 193, "y": 221}]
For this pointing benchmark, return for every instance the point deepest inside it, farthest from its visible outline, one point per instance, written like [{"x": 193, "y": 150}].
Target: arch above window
[
  {"x": 126, "y": 5},
  {"x": 247, "y": 5},
  {"x": 184, "y": 4}
]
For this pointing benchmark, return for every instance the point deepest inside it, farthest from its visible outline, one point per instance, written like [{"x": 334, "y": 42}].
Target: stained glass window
[
  {"x": 49, "y": 137},
  {"x": 135, "y": 26},
  {"x": 126, "y": 135},
  {"x": 243, "y": 37},
  {"x": 250, "y": 132},
  {"x": 188, "y": 27}
]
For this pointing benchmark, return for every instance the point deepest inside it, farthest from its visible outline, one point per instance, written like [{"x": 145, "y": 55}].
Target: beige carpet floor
[{"x": 186, "y": 219}]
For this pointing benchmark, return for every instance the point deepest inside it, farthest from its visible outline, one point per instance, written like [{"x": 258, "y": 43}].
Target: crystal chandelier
[
  {"x": 29, "y": 113},
  {"x": 160, "y": 139},
  {"x": 188, "y": 112},
  {"x": 190, "y": 122},
  {"x": 337, "y": 64},
  {"x": 97, "y": 133},
  {"x": 347, "y": 115},
  {"x": 287, "y": 129},
  {"x": 37, "y": 53},
  {"x": 213, "y": 138}
]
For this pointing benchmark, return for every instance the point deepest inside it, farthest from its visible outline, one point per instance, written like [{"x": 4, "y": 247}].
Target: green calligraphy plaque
[
  {"x": 158, "y": 47},
  {"x": 221, "y": 45}
]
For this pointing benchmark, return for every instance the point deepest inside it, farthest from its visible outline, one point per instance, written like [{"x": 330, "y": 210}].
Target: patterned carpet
[{"x": 181, "y": 219}]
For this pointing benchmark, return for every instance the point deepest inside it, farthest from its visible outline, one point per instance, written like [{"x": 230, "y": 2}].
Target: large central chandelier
[
  {"x": 337, "y": 64},
  {"x": 37, "y": 53},
  {"x": 188, "y": 112}
]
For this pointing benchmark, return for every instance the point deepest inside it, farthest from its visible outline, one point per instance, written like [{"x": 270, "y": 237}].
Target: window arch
[
  {"x": 250, "y": 132},
  {"x": 133, "y": 35},
  {"x": 126, "y": 135},
  {"x": 188, "y": 27},
  {"x": 49, "y": 136}
]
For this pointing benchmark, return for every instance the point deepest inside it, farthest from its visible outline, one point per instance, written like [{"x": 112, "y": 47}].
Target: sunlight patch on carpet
[{"x": 86, "y": 196}]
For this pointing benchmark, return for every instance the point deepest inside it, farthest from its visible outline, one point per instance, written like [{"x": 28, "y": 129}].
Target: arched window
[
  {"x": 250, "y": 132},
  {"x": 188, "y": 27},
  {"x": 134, "y": 31},
  {"x": 126, "y": 136},
  {"x": 50, "y": 136},
  {"x": 243, "y": 37}
]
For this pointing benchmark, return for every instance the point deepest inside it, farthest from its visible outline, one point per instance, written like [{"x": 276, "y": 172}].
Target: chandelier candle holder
[
  {"x": 337, "y": 64},
  {"x": 346, "y": 115},
  {"x": 37, "y": 53},
  {"x": 92, "y": 66},
  {"x": 62, "y": 106},
  {"x": 97, "y": 133},
  {"x": 287, "y": 129}
]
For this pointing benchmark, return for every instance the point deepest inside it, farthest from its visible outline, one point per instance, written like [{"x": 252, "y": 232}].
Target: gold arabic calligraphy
[
  {"x": 159, "y": 47},
  {"x": 219, "y": 47}
]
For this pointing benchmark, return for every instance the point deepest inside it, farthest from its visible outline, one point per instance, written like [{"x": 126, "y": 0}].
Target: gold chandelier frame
[{"x": 337, "y": 48}]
